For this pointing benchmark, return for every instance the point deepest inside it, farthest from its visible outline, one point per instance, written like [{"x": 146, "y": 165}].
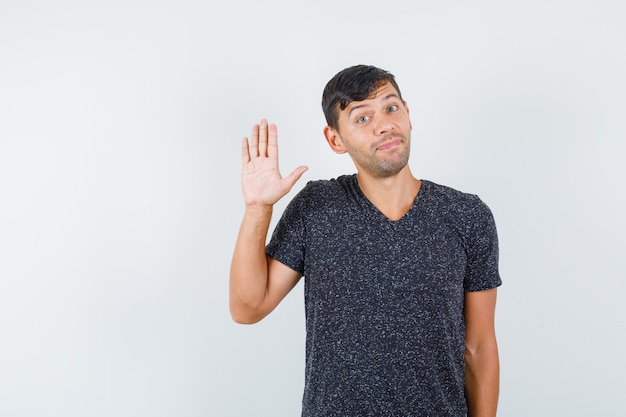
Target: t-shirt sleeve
[
  {"x": 287, "y": 242},
  {"x": 482, "y": 272}
]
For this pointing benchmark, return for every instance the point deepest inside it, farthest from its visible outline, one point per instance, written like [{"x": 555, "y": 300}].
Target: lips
[{"x": 388, "y": 144}]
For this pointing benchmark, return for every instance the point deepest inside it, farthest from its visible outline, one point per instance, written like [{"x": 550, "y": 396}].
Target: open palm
[{"x": 261, "y": 181}]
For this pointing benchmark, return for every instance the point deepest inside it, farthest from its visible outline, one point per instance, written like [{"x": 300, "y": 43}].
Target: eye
[
  {"x": 392, "y": 108},
  {"x": 362, "y": 119}
]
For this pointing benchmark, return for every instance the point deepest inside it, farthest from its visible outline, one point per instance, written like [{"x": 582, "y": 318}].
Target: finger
[
  {"x": 263, "y": 138},
  {"x": 295, "y": 176},
  {"x": 254, "y": 142},
  {"x": 245, "y": 151},
  {"x": 272, "y": 142}
]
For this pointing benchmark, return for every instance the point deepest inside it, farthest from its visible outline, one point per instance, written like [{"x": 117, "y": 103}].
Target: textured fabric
[{"x": 384, "y": 299}]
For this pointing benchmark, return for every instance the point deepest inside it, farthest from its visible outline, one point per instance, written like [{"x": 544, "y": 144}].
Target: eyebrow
[{"x": 358, "y": 106}]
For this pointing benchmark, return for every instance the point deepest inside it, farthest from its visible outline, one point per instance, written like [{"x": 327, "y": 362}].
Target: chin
[{"x": 388, "y": 171}]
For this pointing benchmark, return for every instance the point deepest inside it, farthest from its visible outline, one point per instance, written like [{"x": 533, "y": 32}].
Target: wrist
[{"x": 258, "y": 210}]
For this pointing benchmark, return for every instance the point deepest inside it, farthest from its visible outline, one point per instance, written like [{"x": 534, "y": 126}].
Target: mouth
[{"x": 389, "y": 143}]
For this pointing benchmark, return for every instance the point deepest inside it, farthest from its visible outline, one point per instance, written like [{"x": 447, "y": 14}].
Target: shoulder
[
  {"x": 323, "y": 196},
  {"x": 465, "y": 211},
  {"x": 451, "y": 198},
  {"x": 326, "y": 190},
  {"x": 330, "y": 185}
]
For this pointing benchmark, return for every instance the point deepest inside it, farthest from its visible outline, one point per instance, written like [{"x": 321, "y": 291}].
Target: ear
[
  {"x": 334, "y": 140},
  {"x": 406, "y": 107}
]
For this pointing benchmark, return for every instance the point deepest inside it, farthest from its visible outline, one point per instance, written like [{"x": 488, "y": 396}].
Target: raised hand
[{"x": 261, "y": 181}]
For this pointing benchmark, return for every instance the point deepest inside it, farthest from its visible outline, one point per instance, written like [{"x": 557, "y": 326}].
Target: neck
[{"x": 394, "y": 195}]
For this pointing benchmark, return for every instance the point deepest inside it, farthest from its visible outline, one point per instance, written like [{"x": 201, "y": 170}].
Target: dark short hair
[{"x": 354, "y": 83}]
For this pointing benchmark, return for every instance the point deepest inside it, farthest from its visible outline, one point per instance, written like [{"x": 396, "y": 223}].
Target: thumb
[{"x": 295, "y": 175}]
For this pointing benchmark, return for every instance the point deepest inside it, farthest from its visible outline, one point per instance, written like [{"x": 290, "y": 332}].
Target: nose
[{"x": 383, "y": 124}]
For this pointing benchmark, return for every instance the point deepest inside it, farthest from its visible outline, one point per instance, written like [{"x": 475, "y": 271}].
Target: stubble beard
[{"x": 389, "y": 166}]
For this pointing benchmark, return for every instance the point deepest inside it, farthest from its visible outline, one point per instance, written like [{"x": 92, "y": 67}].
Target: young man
[{"x": 400, "y": 273}]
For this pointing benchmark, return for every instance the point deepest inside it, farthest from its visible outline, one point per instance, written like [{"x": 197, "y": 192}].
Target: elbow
[
  {"x": 244, "y": 319},
  {"x": 479, "y": 353},
  {"x": 246, "y": 308},
  {"x": 244, "y": 315}
]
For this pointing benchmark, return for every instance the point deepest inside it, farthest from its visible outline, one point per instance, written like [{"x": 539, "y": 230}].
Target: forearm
[
  {"x": 482, "y": 379},
  {"x": 248, "y": 271}
]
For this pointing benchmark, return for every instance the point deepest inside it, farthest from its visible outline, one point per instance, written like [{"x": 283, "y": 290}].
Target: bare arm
[
  {"x": 482, "y": 366},
  {"x": 259, "y": 283}
]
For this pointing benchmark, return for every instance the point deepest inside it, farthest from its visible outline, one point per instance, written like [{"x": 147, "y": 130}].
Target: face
[{"x": 375, "y": 132}]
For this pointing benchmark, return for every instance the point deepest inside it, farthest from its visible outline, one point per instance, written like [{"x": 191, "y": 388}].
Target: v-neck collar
[{"x": 355, "y": 184}]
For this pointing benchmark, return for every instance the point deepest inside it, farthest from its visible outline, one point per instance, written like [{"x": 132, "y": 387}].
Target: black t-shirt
[{"x": 384, "y": 299}]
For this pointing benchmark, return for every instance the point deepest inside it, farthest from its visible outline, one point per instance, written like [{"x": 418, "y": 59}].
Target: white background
[{"x": 120, "y": 129}]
